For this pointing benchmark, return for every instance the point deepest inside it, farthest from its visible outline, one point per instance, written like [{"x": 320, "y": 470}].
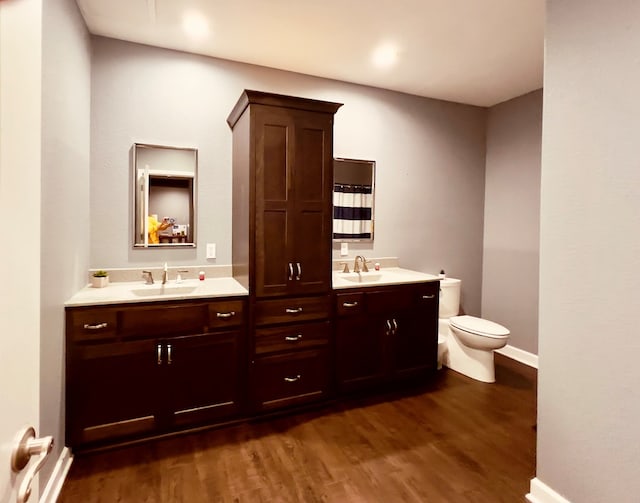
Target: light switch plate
[
  {"x": 211, "y": 250},
  {"x": 344, "y": 249}
]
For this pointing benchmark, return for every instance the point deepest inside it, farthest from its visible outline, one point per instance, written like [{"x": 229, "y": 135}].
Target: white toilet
[{"x": 470, "y": 341}]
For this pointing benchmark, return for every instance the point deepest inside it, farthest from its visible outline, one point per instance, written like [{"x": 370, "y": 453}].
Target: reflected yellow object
[{"x": 154, "y": 226}]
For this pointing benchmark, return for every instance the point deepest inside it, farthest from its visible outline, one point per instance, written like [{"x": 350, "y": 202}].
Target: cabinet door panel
[
  {"x": 360, "y": 353},
  {"x": 203, "y": 377},
  {"x": 417, "y": 347},
  {"x": 311, "y": 156},
  {"x": 313, "y": 175},
  {"x": 272, "y": 162},
  {"x": 112, "y": 392},
  {"x": 413, "y": 346},
  {"x": 313, "y": 253},
  {"x": 273, "y": 204},
  {"x": 272, "y": 258}
]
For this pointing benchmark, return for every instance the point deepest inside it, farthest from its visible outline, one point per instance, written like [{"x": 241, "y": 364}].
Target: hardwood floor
[{"x": 458, "y": 440}]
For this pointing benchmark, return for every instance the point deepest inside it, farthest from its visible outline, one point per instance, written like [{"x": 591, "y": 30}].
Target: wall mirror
[
  {"x": 165, "y": 196},
  {"x": 353, "y": 191}
]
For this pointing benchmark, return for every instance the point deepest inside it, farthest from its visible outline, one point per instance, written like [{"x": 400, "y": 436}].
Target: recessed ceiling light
[
  {"x": 385, "y": 55},
  {"x": 195, "y": 24}
]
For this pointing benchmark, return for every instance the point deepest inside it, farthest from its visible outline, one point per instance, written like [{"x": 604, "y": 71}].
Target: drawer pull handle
[
  {"x": 350, "y": 304},
  {"x": 226, "y": 315},
  {"x": 169, "y": 361},
  {"x": 159, "y": 353},
  {"x": 293, "y": 338},
  {"x": 97, "y": 326},
  {"x": 291, "y": 310},
  {"x": 429, "y": 296},
  {"x": 292, "y": 379}
]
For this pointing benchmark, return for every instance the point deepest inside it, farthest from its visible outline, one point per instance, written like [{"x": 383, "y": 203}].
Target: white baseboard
[
  {"x": 519, "y": 355},
  {"x": 542, "y": 493},
  {"x": 58, "y": 476}
]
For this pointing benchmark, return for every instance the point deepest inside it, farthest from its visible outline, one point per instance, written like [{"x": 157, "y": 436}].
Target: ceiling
[{"x": 479, "y": 52}]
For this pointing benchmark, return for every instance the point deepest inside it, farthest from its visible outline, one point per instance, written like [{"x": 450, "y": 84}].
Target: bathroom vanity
[
  {"x": 385, "y": 334},
  {"x": 149, "y": 360},
  {"x": 153, "y": 367}
]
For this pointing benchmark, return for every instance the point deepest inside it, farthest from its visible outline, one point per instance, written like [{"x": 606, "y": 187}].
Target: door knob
[{"x": 26, "y": 446}]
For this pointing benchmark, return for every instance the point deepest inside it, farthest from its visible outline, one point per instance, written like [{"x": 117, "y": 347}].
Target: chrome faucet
[
  {"x": 148, "y": 277},
  {"x": 363, "y": 261}
]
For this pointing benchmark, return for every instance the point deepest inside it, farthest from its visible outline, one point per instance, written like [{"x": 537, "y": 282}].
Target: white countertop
[
  {"x": 137, "y": 291},
  {"x": 385, "y": 276}
]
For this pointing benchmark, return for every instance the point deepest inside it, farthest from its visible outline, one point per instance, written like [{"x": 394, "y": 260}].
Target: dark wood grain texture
[{"x": 458, "y": 440}]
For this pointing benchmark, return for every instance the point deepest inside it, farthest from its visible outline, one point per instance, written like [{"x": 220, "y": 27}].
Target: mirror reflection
[
  {"x": 165, "y": 188},
  {"x": 353, "y": 191}
]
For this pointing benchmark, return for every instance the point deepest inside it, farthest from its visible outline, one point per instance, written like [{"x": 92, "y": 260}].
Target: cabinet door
[
  {"x": 274, "y": 137},
  {"x": 203, "y": 377},
  {"x": 360, "y": 352},
  {"x": 112, "y": 391},
  {"x": 312, "y": 219},
  {"x": 416, "y": 339}
]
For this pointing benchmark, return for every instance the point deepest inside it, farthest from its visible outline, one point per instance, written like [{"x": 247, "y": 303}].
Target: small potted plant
[{"x": 99, "y": 279}]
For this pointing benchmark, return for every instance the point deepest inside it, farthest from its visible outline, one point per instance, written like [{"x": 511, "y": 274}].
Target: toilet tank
[{"x": 449, "y": 297}]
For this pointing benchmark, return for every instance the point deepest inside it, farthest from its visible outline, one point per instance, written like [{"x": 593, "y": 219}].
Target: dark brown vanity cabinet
[
  {"x": 386, "y": 334},
  {"x": 282, "y": 194},
  {"x": 146, "y": 369},
  {"x": 281, "y": 252}
]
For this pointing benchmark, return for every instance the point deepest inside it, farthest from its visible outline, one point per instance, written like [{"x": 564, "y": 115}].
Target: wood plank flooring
[{"x": 458, "y": 440}]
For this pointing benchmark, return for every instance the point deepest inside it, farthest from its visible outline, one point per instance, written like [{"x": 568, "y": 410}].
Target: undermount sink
[
  {"x": 388, "y": 276},
  {"x": 362, "y": 277},
  {"x": 153, "y": 291}
]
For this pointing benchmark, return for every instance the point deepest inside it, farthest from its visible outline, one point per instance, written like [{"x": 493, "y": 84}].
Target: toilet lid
[{"x": 478, "y": 326}]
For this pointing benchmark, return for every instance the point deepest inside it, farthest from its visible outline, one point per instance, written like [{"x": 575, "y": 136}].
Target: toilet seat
[{"x": 479, "y": 326}]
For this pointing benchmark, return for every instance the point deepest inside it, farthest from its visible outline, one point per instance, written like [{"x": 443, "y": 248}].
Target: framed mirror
[
  {"x": 164, "y": 196},
  {"x": 353, "y": 198}
]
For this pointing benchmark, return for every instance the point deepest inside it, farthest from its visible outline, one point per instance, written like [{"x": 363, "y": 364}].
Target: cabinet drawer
[
  {"x": 292, "y": 309},
  {"x": 229, "y": 313},
  {"x": 92, "y": 324},
  {"x": 290, "y": 379},
  {"x": 288, "y": 337},
  {"x": 348, "y": 304},
  {"x": 428, "y": 292}
]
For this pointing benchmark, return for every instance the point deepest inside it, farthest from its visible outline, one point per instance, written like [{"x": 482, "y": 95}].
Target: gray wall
[
  {"x": 512, "y": 218},
  {"x": 588, "y": 399},
  {"x": 65, "y": 223},
  {"x": 429, "y": 154}
]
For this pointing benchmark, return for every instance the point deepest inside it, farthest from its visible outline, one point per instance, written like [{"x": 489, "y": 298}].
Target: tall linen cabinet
[{"x": 281, "y": 252}]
